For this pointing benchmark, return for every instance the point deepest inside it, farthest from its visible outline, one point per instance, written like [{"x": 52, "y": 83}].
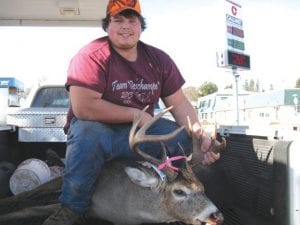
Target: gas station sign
[
  {"x": 234, "y": 56},
  {"x": 234, "y": 26}
]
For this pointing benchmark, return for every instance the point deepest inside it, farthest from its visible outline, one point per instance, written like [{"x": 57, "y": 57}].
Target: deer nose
[
  {"x": 215, "y": 218},
  {"x": 210, "y": 216}
]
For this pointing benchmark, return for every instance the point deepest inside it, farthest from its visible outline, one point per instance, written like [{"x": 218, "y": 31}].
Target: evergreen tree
[
  {"x": 246, "y": 85},
  {"x": 251, "y": 85}
]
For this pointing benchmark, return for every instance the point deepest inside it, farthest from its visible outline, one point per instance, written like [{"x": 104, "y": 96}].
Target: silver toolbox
[{"x": 39, "y": 124}]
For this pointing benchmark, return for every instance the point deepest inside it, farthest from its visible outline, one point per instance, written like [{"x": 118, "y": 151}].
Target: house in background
[{"x": 272, "y": 108}]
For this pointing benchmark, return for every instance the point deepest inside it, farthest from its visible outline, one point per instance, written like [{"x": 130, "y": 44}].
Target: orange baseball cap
[{"x": 116, "y": 6}]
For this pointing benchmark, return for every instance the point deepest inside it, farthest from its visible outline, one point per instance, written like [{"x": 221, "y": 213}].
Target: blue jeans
[{"x": 90, "y": 144}]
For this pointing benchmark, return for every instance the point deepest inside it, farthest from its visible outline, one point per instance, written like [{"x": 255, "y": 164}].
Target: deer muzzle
[{"x": 213, "y": 218}]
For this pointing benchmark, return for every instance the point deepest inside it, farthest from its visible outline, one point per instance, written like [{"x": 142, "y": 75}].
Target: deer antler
[
  {"x": 140, "y": 137},
  {"x": 197, "y": 153}
]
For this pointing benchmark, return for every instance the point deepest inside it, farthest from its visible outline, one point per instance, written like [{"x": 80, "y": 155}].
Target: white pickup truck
[{"x": 256, "y": 181}]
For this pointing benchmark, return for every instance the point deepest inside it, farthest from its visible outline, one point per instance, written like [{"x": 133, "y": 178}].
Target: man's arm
[
  {"x": 182, "y": 109},
  {"x": 89, "y": 105}
]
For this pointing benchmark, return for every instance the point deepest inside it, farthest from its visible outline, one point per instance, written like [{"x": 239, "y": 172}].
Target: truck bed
[{"x": 247, "y": 184}]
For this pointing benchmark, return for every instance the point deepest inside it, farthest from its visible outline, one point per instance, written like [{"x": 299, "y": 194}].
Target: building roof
[
  {"x": 11, "y": 82},
  {"x": 272, "y": 98}
]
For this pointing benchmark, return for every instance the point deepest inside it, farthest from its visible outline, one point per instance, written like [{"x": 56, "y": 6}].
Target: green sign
[{"x": 236, "y": 44}]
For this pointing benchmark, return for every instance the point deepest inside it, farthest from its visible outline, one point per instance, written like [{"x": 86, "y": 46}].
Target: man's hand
[
  {"x": 209, "y": 157},
  {"x": 183, "y": 109}
]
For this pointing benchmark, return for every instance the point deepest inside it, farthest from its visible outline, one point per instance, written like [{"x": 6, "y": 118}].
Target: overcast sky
[{"x": 189, "y": 31}]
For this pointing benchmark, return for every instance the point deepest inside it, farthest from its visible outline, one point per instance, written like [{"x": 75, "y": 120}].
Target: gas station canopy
[{"x": 80, "y": 13}]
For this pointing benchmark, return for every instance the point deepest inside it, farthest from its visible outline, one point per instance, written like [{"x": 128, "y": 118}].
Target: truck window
[{"x": 51, "y": 97}]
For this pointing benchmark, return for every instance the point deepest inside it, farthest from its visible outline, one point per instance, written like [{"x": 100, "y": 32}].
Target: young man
[{"x": 110, "y": 81}]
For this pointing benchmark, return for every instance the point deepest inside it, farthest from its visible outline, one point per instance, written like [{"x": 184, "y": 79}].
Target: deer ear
[{"x": 141, "y": 178}]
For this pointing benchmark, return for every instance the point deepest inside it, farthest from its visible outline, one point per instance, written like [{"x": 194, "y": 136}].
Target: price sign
[
  {"x": 238, "y": 60},
  {"x": 234, "y": 56},
  {"x": 233, "y": 60}
]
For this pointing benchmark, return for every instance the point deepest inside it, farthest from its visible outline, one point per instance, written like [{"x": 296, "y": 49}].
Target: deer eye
[{"x": 179, "y": 192}]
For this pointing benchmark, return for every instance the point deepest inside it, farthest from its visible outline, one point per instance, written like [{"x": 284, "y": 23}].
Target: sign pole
[{"x": 236, "y": 77}]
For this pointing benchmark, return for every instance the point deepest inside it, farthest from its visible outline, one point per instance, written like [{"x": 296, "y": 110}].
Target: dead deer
[{"x": 130, "y": 192}]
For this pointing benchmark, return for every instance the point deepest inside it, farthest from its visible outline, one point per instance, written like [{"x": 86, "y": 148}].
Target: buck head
[{"x": 182, "y": 195}]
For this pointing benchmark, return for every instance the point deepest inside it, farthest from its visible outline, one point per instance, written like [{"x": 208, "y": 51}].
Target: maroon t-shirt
[{"x": 98, "y": 67}]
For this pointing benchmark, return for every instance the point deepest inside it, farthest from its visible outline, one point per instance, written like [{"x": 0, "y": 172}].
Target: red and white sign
[
  {"x": 233, "y": 8},
  {"x": 234, "y": 26}
]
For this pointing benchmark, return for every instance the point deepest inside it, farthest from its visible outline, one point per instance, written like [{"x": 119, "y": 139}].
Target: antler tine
[
  {"x": 140, "y": 136},
  {"x": 170, "y": 173},
  {"x": 164, "y": 150},
  {"x": 189, "y": 125},
  {"x": 137, "y": 119}
]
